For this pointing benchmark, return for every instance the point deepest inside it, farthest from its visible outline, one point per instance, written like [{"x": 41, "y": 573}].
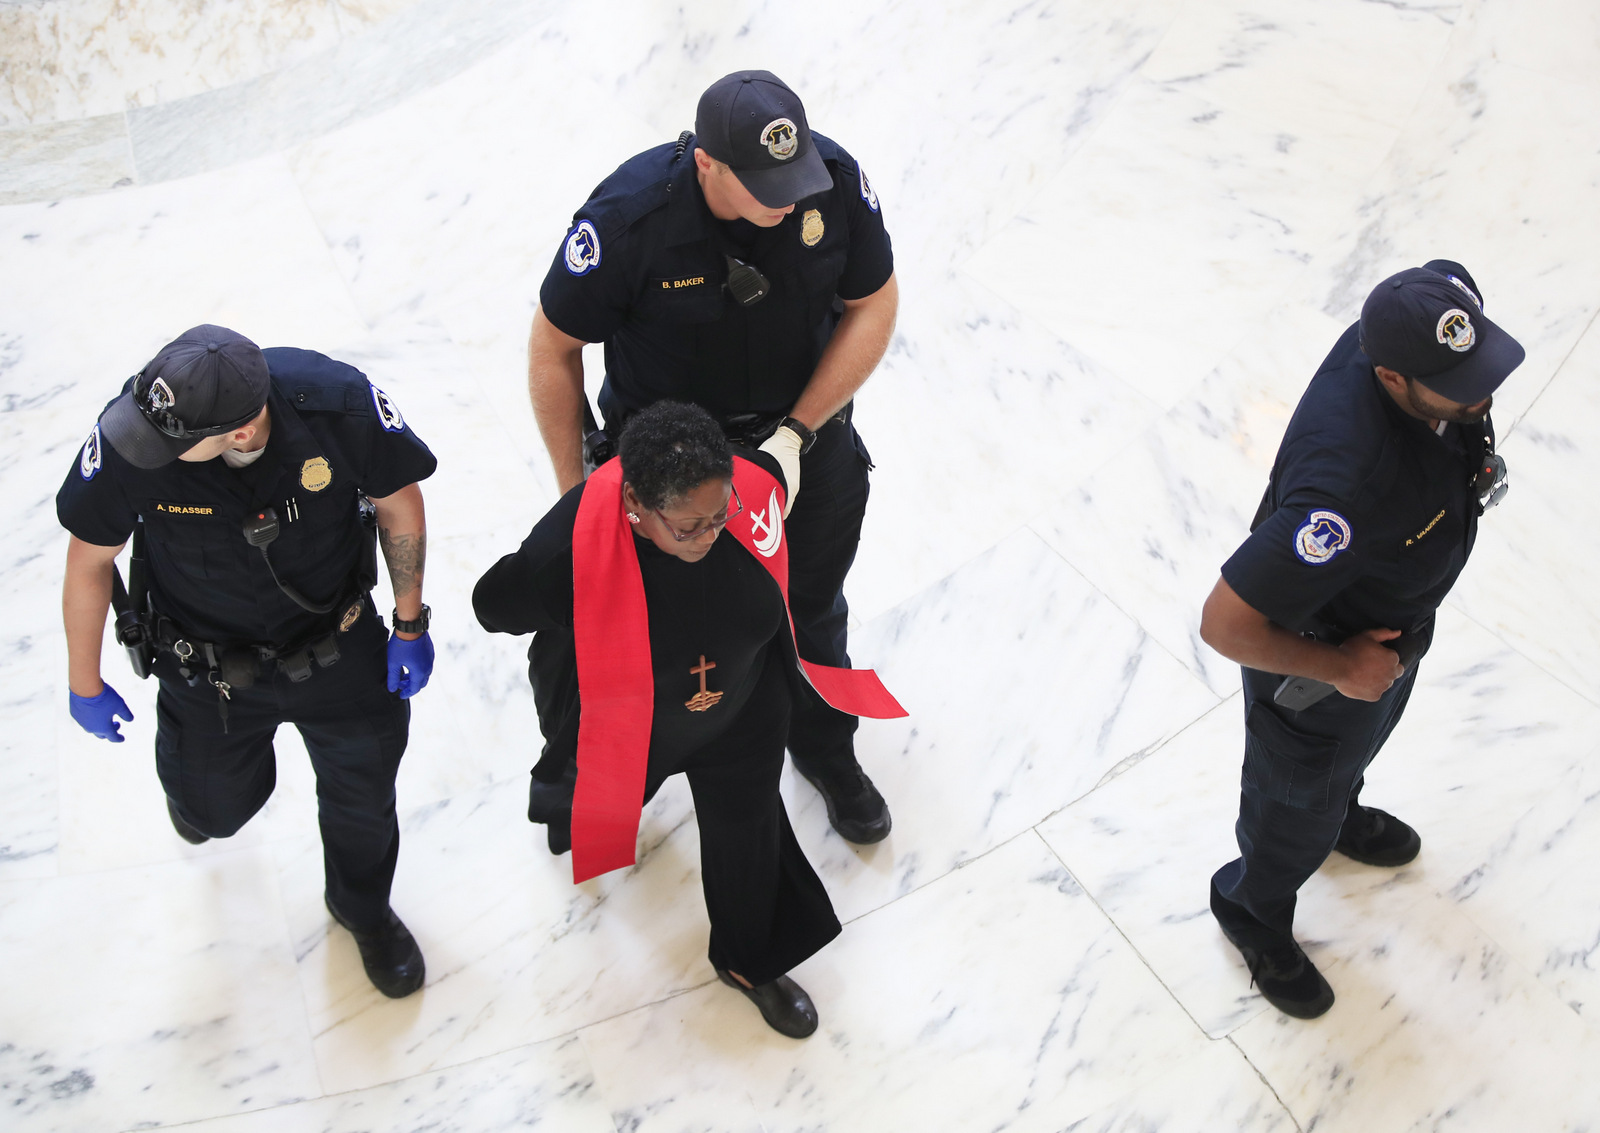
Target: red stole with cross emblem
[{"x": 616, "y": 684}]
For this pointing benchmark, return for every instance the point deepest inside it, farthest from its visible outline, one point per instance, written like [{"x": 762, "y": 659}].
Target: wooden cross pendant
[{"x": 702, "y": 700}]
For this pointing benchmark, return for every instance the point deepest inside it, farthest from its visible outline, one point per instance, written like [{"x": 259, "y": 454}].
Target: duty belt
[{"x": 230, "y": 667}]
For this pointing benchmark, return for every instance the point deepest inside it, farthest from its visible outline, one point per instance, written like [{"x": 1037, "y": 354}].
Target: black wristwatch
[
  {"x": 807, "y": 437},
  {"x": 419, "y": 624}
]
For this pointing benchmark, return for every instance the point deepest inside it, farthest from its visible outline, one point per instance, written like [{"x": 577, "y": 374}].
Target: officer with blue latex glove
[
  {"x": 97, "y": 715},
  {"x": 410, "y": 662},
  {"x": 251, "y": 484}
]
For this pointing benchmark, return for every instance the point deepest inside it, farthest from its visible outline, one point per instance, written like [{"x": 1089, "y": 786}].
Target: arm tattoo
[{"x": 405, "y": 555}]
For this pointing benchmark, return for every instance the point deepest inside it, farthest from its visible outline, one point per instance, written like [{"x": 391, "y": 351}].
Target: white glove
[{"x": 784, "y": 445}]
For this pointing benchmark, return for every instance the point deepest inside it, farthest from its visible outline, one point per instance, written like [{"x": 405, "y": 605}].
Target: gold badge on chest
[
  {"x": 811, "y": 228},
  {"x": 315, "y": 474}
]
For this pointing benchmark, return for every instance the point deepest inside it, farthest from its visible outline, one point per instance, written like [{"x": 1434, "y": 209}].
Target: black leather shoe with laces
[
  {"x": 1376, "y": 837},
  {"x": 784, "y": 1004},
  {"x": 1283, "y": 973},
  {"x": 855, "y": 808},
  {"x": 390, "y": 954},
  {"x": 188, "y": 833}
]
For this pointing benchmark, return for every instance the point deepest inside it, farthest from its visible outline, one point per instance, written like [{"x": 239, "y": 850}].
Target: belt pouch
[
  {"x": 238, "y": 668},
  {"x": 326, "y": 650},
  {"x": 297, "y": 665}
]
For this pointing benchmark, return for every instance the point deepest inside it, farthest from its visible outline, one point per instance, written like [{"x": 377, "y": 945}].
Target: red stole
[{"x": 616, "y": 684}]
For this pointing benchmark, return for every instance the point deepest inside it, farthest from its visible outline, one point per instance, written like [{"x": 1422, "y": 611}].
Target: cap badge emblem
[
  {"x": 1455, "y": 330},
  {"x": 315, "y": 474},
  {"x": 160, "y": 396},
  {"x": 811, "y": 228},
  {"x": 781, "y": 138}
]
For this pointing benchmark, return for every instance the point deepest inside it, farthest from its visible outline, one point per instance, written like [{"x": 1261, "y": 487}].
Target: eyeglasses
[
  {"x": 153, "y": 400},
  {"x": 709, "y": 525}
]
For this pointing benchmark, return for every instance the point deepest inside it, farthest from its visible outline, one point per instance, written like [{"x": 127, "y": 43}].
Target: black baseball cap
[
  {"x": 754, "y": 124},
  {"x": 1428, "y": 324},
  {"x": 207, "y": 381}
]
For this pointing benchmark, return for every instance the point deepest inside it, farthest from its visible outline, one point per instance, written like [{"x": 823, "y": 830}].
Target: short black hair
[{"x": 671, "y": 448}]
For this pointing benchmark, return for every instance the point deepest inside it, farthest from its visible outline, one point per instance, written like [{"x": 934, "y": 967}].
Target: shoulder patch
[
  {"x": 388, "y": 412},
  {"x": 581, "y": 253},
  {"x": 93, "y": 458},
  {"x": 868, "y": 193},
  {"x": 1322, "y": 536}
]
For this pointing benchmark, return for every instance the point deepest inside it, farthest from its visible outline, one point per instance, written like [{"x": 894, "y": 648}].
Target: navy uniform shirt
[
  {"x": 1370, "y": 514},
  {"x": 332, "y": 435},
  {"x": 643, "y": 267}
]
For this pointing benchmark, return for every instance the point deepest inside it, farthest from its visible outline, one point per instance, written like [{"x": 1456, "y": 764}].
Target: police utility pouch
[
  {"x": 1299, "y": 693},
  {"x": 131, "y": 606}
]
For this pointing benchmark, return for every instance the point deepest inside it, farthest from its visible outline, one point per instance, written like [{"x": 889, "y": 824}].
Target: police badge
[
  {"x": 315, "y": 474},
  {"x": 811, "y": 228}
]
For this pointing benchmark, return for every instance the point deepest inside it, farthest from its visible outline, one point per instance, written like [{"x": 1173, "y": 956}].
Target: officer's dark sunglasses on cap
[
  {"x": 147, "y": 396},
  {"x": 710, "y": 525}
]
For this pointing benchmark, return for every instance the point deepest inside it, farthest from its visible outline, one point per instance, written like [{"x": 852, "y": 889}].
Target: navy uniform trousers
[
  {"x": 355, "y": 730},
  {"x": 1302, "y": 774},
  {"x": 824, "y": 530}
]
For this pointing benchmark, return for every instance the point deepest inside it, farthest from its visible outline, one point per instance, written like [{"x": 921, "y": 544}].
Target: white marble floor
[{"x": 1126, "y": 232}]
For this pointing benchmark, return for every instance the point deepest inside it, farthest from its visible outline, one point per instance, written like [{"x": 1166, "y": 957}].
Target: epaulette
[
  {"x": 315, "y": 382},
  {"x": 615, "y": 207},
  {"x": 831, "y": 151}
]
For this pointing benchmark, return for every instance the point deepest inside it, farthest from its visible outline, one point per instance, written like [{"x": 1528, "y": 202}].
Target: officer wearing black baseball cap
[
  {"x": 242, "y": 477},
  {"x": 1328, "y": 606},
  {"x": 744, "y": 267}
]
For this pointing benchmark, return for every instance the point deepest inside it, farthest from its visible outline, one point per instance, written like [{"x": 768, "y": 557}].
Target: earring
[{"x": 632, "y": 518}]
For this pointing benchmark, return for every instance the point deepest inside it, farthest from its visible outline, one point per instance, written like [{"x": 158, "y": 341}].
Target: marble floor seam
[
  {"x": 1149, "y": 637},
  {"x": 1134, "y": 948},
  {"x": 1555, "y": 372},
  {"x": 1587, "y": 694},
  {"x": 327, "y": 249},
  {"x": 1295, "y": 1121}
]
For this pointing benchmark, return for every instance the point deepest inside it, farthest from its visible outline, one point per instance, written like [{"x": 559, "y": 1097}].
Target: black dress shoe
[
  {"x": 1375, "y": 837},
  {"x": 855, "y": 808},
  {"x": 784, "y": 1004},
  {"x": 1283, "y": 972},
  {"x": 188, "y": 833},
  {"x": 390, "y": 954},
  {"x": 551, "y": 804}
]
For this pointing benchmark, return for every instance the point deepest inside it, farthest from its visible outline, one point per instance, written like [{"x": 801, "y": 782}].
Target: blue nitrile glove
[
  {"x": 410, "y": 664},
  {"x": 97, "y": 715}
]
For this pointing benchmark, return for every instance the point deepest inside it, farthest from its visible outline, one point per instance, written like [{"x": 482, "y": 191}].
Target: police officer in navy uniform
[
  {"x": 245, "y": 473},
  {"x": 746, "y": 269},
  {"x": 1369, "y": 517}
]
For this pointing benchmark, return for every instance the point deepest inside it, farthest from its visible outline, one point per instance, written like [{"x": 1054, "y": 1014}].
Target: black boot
[
  {"x": 1282, "y": 971},
  {"x": 855, "y": 808},
  {"x": 390, "y": 954},
  {"x": 188, "y": 833},
  {"x": 784, "y": 1004},
  {"x": 1375, "y": 837}
]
